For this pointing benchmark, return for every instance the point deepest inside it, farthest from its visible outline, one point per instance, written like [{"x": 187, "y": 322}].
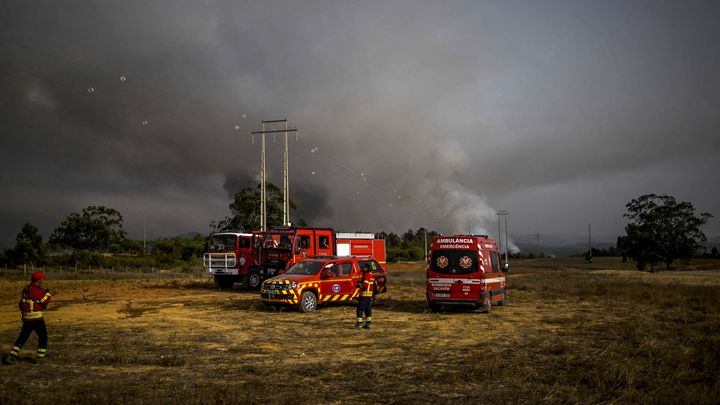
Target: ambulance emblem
[
  {"x": 465, "y": 262},
  {"x": 442, "y": 262}
]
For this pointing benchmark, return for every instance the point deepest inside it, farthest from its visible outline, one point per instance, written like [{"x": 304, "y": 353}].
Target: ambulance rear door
[{"x": 462, "y": 271}]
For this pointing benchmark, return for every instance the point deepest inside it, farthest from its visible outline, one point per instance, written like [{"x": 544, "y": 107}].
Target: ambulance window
[
  {"x": 323, "y": 242},
  {"x": 495, "y": 262},
  {"x": 454, "y": 262},
  {"x": 244, "y": 243},
  {"x": 346, "y": 269}
]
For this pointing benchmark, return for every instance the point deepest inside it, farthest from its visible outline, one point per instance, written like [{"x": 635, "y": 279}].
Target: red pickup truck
[{"x": 320, "y": 280}]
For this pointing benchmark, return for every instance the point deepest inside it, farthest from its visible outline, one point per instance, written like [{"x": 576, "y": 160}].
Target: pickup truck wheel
[
  {"x": 487, "y": 308},
  {"x": 252, "y": 280},
  {"x": 308, "y": 301},
  {"x": 434, "y": 308},
  {"x": 501, "y": 303},
  {"x": 224, "y": 282}
]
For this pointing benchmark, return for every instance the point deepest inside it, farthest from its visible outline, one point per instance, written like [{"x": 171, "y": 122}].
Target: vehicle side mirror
[
  {"x": 506, "y": 268},
  {"x": 326, "y": 274}
]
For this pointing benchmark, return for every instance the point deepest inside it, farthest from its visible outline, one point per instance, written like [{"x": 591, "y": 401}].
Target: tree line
[
  {"x": 95, "y": 238},
  {"x": 661, "y": 230}
]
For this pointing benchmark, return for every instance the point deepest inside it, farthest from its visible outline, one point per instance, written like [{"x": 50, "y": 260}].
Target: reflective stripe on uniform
[{"x": 31, "y": 314}]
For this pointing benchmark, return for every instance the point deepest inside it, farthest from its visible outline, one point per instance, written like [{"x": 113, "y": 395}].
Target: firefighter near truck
[
  {"x": 465, "y": 270},
  {"x": 250, "y": 258}
]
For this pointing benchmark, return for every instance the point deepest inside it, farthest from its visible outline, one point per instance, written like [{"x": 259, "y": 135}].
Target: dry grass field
[{"x": 571, "y": 332}]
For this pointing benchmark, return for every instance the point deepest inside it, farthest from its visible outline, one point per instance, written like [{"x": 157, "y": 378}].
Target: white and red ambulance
[{"x": 465, "y": 270}]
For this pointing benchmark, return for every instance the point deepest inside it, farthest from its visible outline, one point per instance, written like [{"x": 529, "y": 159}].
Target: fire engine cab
[
  {"x": 230, "y": 257},
  {"x": 271, "y": 253},
  {"x": 465, "y": 270}
]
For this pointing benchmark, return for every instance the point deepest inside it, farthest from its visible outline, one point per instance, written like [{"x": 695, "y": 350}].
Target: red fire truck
[
  {"x": 230, "y": 257},
  {"x": 276, "y": 250},
  {"x": 465, "y": 270}
]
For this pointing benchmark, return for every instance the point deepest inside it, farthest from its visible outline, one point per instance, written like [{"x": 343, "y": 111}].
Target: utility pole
[
  {"x": 505, "y": 214},
  {"x": 426, "y": 256},
  {"x": 144, "y": 234},
  {"x": 590, "y": 243},
  {"x": 263, "y": 205},
  {"x": 286, "y": 180},
  {"x": 506, "y": 238},
  {"x": 286, "y": 174}
]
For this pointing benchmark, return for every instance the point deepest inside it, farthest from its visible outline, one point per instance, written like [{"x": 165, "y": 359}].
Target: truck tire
[
  {"x": 501, "y": 303},
  {"x": 252, "y": 280},
  {"x": 308, "y": 301},
  {"x": 224, "y": 282},
  {"x": 434, "y": 308}
]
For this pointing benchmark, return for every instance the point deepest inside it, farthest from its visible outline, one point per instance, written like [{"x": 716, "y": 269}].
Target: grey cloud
[{"x": 448, "y": 108}]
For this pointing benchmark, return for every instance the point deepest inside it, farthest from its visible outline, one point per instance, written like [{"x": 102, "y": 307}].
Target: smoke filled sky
[{"x": 411, "y": 113}]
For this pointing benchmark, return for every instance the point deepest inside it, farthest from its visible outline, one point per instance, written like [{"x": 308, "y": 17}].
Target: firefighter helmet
[{"x": 38, "y": 275}]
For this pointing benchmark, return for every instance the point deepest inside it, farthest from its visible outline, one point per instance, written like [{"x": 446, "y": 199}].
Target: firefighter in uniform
[
  {"x": 33, "y": 303},
  {"x": 365, "y": 298}
]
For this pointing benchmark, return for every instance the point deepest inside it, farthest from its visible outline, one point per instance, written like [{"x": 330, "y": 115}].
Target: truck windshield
[
  {"x": 306, "y": 268},
  {"x": 279, "y": 241},
  {"x": 454, "y": 261},
  {"x": 222, "y": 242}
]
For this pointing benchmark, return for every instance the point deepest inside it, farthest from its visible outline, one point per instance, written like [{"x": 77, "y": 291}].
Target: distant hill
[
  {"x": 566, "y": 245},
  {"x": 561, "y": 244},
  {"x": 189, "y": 235},
  {"x": 712, "y": 242}
]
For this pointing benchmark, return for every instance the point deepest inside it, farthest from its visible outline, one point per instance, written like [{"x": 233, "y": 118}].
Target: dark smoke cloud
[{"x": 410, "y": 113}]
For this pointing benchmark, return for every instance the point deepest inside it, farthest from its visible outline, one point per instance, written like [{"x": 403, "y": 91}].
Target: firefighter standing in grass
[
  {"x": 33, "y": 303},
  {"x": 365, "y": 298}
]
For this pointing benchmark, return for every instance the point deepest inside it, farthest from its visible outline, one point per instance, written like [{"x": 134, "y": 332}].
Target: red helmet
[{"x": 38, "y": 275}]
